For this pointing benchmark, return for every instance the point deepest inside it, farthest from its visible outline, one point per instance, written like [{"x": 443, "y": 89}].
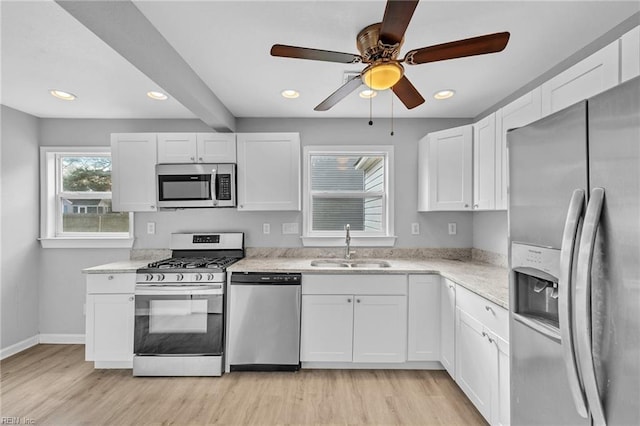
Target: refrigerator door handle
[
  {"x": 565, "y": 293},
  {"x": 583, "y": 306}
]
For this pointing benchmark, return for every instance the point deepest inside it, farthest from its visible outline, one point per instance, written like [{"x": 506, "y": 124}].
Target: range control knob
[
  {"x": 160, "y": 277},
  {"x": 198, "y": 277},
  {"x": 179, "y": 277},
  {"x": 209, "y": 277},
  {"x": 148, "y": 277}
]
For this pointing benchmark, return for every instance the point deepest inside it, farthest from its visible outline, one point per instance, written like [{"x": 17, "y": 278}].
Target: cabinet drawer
[
  {"x": 354, "y": 284},
  {"x": 492, "y": 316},
  {"x": 111, "y": 283}
]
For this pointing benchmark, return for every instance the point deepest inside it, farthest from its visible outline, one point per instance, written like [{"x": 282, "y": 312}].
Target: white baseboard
[
  {"x": 64, "y": 339},
  {"x": 19, "y": 347}
]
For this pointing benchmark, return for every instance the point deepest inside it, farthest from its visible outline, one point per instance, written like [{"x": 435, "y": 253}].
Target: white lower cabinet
[
  {"x": 482, "y": 355},
  {"x": 354, "y": 318},
  {"x": 423, "y": 327},
  {"x": 110, "y": 320}
]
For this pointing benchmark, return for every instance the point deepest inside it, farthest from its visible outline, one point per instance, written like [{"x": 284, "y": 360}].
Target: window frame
[
  {"x": 51, "y": 196},
  {"x": 383, "y": 238}
]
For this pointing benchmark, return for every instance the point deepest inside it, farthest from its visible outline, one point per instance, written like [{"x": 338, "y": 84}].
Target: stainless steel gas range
[{"x": 179, "y": 306}]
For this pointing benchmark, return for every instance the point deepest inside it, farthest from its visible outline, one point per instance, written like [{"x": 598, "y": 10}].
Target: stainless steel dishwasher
[{"x": 264, "y": 321}]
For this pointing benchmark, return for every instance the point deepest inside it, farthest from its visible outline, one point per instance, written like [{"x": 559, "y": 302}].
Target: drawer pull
[
  {"x": 358, "y": 300},
  {"x": 489, "y": 309},
  {"x": 348, "y": 300},
  {"x": 131, "y": 299},
  {"x": 110, "y": 277}
]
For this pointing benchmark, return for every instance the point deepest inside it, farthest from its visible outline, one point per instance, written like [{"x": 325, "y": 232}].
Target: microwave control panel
[{"x": 223, "y": 182}]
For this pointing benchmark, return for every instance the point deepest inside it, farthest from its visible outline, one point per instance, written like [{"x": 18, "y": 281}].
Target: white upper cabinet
[
  {"x": 176, "y": 148},
  {"x": 585, "y": 79},
  {"x": 445, "y": 170},
  {"x": 484, "y": 163},
  {"x": 133, "y": 173},
  {"x": 269, "y": 171},
  {"x": 630, "y": 54},
  {"x": 524, "y": 110}
]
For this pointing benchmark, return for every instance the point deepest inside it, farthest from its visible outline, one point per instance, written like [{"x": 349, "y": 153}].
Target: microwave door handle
[
  {"x": 583, "y": 305},
  {"x": 565, "y": 297},
  {"x": 213, "y": 188}
]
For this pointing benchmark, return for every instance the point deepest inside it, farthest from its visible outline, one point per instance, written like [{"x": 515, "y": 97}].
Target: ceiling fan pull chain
[
  {"x": 371, "y": 111},
  {"x": 391, "y": 112}
]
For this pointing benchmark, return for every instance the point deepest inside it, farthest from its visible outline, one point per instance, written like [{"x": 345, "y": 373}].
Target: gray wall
[
  {"x": 433, "y": 226},
  {"x": 490, "y": 231},
  {"x": 21, "y": 253}
]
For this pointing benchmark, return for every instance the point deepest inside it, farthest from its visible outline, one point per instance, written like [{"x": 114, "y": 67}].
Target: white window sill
[
  {"x": 378, "y": 241},
  {"x": 71, "y": 242}
]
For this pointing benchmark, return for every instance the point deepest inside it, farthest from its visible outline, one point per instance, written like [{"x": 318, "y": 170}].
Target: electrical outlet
[
  {"x": 453, "y": 229},
  {"x": 151, "y": 227},
  {"x": 415, "y": 229},
  {"x": 290, "y": 228},
  {"x": 266, "y": 228}
]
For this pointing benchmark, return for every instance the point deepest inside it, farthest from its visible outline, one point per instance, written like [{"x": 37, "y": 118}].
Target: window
[
  {"x": 348, "y": 185},
  {"x": 76, "y": 200}
]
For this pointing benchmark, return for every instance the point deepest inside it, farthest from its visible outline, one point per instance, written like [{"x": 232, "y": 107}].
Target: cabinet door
[
  {"x": 176, "y": 148},
  {"x": 327, "y": 328},
  {"x": 216, "y": 147},
  {"x": 588, "y": 77},
  {"x": 424, "y": 318},
  {"x": 448, "y": 170},
  {"x": 380, "y": 329},
  {"x": 133, "y": 175},
  {"x": 268, "y": 171},
  {"x": 524, "y": 110},
  {"x": 474, "y": 366},
  {"x": 448, "y": 326},
  {"x": 630, "y": 54},
  {"x": 500, "y": 410},
  {"x": 109, "y": 323},
  {"x": 484, "y": 163}
]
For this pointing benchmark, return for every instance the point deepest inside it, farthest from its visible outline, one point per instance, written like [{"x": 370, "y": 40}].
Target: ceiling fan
[{"x": 379, "y": 45}]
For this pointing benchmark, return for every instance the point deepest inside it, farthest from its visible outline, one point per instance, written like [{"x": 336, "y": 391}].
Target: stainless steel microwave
[{"x": 196, "y": 185}]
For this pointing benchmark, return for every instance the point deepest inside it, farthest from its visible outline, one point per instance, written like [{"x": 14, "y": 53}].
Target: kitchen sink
[{"x": 343, "y": 263}]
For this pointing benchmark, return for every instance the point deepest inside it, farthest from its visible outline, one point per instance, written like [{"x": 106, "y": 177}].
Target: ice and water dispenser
[{"x": 535, "y": 271}]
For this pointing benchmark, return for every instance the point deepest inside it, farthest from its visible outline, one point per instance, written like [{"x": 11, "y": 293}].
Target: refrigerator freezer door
[
  {"x": 547, "y": 162},
  {"x": 614, "y": 155}
]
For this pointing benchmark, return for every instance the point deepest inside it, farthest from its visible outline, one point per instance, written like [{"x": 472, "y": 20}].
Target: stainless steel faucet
[{"x": 347, "y": 240}]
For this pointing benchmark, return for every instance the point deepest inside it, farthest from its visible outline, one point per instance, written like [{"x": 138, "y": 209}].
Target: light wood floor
[{"x": 52, "y": 384}]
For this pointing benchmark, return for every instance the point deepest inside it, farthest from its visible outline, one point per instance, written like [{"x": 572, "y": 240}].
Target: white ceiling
[{"x": 227, "y": 44}]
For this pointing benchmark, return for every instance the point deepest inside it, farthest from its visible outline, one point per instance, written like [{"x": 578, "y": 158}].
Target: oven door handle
[{"x": 169, "y": 290}]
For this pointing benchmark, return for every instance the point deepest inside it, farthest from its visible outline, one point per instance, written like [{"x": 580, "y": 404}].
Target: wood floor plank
[{"x": 52, "y": 384}]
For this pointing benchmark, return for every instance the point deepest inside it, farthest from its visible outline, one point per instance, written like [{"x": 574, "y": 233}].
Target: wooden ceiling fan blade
[
  {"x": 339, "y": 94},
  {"x": 397, "y": 15},
  {"x": 407, "y": 93},
  {"x": 490, "y": 43},
  {"x": 314, "y": 54}
]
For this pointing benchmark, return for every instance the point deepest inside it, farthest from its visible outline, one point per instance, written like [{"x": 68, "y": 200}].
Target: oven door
[{"x": 178, "y": 320}]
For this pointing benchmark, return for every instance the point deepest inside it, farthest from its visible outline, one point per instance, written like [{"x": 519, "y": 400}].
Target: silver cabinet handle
[
  {"x": 452, "y": 287},
  {"x": 489, "y": 309},
  {"x": 193, "y": 158},
  {"x": 131, "y": 299},
  {"x": 348, "y": 300},
  {"x": 358, "y": 300},
  {"x": 583, "y": 305},
  {"x": 466, "y": 205},
  {"x": 110, "y": 277},
  {"x": 565, "y": 296},
  {"x": 200, "y": 159},
  {"x": 475, "y": 206}
]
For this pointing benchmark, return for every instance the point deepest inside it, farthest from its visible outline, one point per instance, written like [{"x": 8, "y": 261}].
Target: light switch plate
[
  {"x": 453, "y": 229},
  {"x": 266, "y": 228},
  {"x": 415, "y": 229}
]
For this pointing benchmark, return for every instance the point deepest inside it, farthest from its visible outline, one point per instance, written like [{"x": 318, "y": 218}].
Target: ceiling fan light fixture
[
  {"x": 368, "y": 94},
  {"x": 382, "y": 76},
  {"x": 158, "y": 96},
  {"x": 444, "y": 94},
  {"x": 60, "y": 94},
  {"x": 290, "y": 94}
]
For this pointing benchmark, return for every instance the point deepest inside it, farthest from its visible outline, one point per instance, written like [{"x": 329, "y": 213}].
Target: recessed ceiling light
[
  {"x": 290, "y": 93},
  {"x": 444, "y": 94},
  {"x": 158, "y": 96},
  {"x": 65, "y": 96},
  {"x": 368, "y": 93}
]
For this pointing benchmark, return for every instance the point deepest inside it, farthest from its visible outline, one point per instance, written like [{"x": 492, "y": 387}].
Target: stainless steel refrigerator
[{"x": 574, "y": 237}]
